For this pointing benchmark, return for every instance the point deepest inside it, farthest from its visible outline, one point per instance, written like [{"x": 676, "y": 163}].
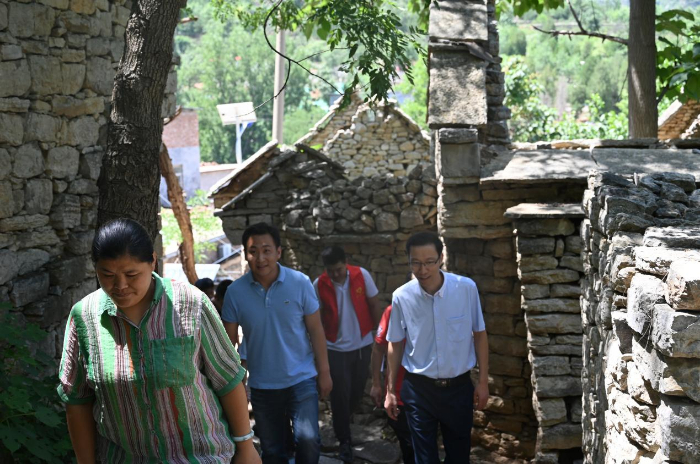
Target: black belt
[{"x": 441, "y": 383}]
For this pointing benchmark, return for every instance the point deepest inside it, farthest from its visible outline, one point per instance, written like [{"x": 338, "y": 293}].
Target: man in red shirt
[
  {"x": 350, "y": 310},
  {"x": 400, "y": 426}
]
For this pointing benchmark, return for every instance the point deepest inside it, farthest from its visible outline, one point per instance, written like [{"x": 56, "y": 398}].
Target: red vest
[{"x": 329, "y": 303}]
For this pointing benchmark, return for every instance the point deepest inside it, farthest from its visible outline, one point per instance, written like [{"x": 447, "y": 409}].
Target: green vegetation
[
  {"x": 204, "y": 226},
  {"x": 585, "y": 78},
  {"x": 224, "y": 63},
  {"x": 32, "y": 424}
]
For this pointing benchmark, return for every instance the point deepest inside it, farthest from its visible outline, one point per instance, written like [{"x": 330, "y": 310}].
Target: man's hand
[
  {"x": 325, "y": 385},
  {"x": 377, "y": 394},
  {"x": 391, "y": 406},
  {"x": 481, "y": 395}
]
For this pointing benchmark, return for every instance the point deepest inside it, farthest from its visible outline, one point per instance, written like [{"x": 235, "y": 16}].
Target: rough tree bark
[
  {"x": 181, "y": 213},
  {"x": 130, "y": 176},
  {"x": 641, "y": 77}
]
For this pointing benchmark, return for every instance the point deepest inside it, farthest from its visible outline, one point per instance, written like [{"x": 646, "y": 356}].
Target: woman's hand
[{"x": 246, "y": 453}]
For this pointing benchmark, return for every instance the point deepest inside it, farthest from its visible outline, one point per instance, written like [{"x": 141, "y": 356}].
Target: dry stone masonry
[
  {"x": 57, "y": 64},
  {"x": 640, "y": 311},
  {"x": 368, "y": 140},
  {"x": 550, "y": 268},
  {"x": 308, "y": 197}
]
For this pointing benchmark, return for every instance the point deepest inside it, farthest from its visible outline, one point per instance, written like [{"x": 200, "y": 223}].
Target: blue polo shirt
[{"x": 278, "y": 348}]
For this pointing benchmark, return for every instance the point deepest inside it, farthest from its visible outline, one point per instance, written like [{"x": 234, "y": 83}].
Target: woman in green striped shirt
[{"x": 148, "y": 373}]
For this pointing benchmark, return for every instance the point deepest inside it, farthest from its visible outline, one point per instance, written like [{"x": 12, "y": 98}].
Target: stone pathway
[{"x": 374, "y": 441}]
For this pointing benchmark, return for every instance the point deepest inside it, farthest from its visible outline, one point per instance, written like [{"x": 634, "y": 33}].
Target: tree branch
[
  {"x": 289, "y": 62},
  {"x": 582, "y": 30},
  {"x": 179, "y": 207}
]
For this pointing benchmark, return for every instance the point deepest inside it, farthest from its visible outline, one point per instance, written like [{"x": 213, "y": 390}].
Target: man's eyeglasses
[{"x": 428, "y": 264}]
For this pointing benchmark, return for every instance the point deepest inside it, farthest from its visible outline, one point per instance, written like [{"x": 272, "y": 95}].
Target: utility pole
[{"x": 278, "y": 104}]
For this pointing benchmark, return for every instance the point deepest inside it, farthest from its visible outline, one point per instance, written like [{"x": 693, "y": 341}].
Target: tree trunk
[
  {"x": 130, "y": 178},
  {"x": 643, "y": 113},
  {"x": 181, "y": 213}
]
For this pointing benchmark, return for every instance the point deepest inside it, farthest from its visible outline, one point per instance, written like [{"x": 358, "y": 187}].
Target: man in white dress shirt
[{"x": 438, "y": 314}]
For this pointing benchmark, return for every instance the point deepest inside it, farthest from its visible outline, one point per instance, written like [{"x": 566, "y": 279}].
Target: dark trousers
[
  {"x": 400, "y": 428},
  {"x": 349, "y": 372},
  {"x": 274, "y": 408},
  {"x": 427, "y": 406}
]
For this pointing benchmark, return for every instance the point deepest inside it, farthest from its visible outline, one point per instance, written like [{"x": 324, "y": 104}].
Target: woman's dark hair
[
  {"x": 261, "y": 228},
  {"x": 204, "y": 284},
  {"x": 333, "y": 255},
  {"x": 424, "y": 238},
  {"x": 121, "y": 237},
  {"x": 221, "y": 288}
]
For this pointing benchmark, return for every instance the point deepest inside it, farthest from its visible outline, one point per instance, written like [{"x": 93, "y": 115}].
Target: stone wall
[
  {"x": 368, "y": 140},
  {"x": 314, "y": 206},
  {"x": 549, "y": 269},
  {"x": 641, "y": 255},
  {"x": 57, "y": 64},
  {"x": 381, "y": 140}
]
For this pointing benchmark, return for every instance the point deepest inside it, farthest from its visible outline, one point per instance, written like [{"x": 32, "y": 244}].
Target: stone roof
[
  {"x": 244, "y": 181},
  {"x": 251, "y": 170},
  {"x": 573, "y": 165},
  {"x": 680, "y": 121}
]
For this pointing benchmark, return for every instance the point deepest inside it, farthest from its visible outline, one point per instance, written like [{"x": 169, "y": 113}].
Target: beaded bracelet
[{"x": 243, "y": 438}]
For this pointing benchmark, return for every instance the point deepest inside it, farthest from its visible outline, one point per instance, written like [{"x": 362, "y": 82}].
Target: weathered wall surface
[
  {"x": 315, "y": 206},
  {"x": 640, "y": 304},
  {"x": 549, "y": 269},
  {"x": 369, "y": 140},
  {"x": 57, "y": 64},
  {"x": 381, "y": 140}
]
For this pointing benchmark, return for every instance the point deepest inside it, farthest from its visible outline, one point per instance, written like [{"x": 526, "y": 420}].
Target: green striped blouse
[{"x": 154, "y": 386}]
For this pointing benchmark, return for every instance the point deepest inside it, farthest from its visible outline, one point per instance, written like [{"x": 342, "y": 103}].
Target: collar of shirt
[
  {"x": 440, "y": 292},
  {"x": 347, "y": 280},
  {"x": 109, "y": 306},
  {"x": 280, "y": 277}
]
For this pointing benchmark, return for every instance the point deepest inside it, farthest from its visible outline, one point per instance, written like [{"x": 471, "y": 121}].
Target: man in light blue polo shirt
[
  {"x": 278, "y": 311},
  {"x": 438, "y": 314}
]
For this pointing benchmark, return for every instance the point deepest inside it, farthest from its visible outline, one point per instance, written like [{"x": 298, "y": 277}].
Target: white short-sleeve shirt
[
  {"x": 349, "y": 336},
  {"x": 437, "y": 328}
]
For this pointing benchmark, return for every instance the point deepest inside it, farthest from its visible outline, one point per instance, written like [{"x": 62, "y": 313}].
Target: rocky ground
[{"x": 374, "y": 441}]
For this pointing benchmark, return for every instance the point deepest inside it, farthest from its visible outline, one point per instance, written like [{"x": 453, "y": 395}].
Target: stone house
[
  {"x": 615, "y": 381},
  {"x": 370, "y": 139},
  {"x": 307, "y": 195}
]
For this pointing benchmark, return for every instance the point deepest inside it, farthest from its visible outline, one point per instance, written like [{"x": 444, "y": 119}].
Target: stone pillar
[{"x": 550, "y": 268}]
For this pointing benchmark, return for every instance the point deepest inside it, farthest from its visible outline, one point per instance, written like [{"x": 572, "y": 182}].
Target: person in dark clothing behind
[
  {"x": 206, "y": 285},
  {"x": 220, "y": 293}
]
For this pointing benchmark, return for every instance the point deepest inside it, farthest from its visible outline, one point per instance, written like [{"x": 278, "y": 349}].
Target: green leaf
[
  {"x": 324, "y": 28},
  {"x": 308, "y": 30},
  {"x": 10, "y": 437}
]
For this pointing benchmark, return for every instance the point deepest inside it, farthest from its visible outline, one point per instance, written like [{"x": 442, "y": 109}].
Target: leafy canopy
[
  {"x": 678, "y": 45},
  {"x": 368, "y": 30}
]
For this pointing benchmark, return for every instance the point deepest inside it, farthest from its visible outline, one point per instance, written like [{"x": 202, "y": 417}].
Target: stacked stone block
[
  {"x": 307, "y": 196},
  {"x": 640, "y": 313},
  {"x": 550, "y": 268},
  {"x": 57, "y": 64},
  {"x": 380, "y": 140}
]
